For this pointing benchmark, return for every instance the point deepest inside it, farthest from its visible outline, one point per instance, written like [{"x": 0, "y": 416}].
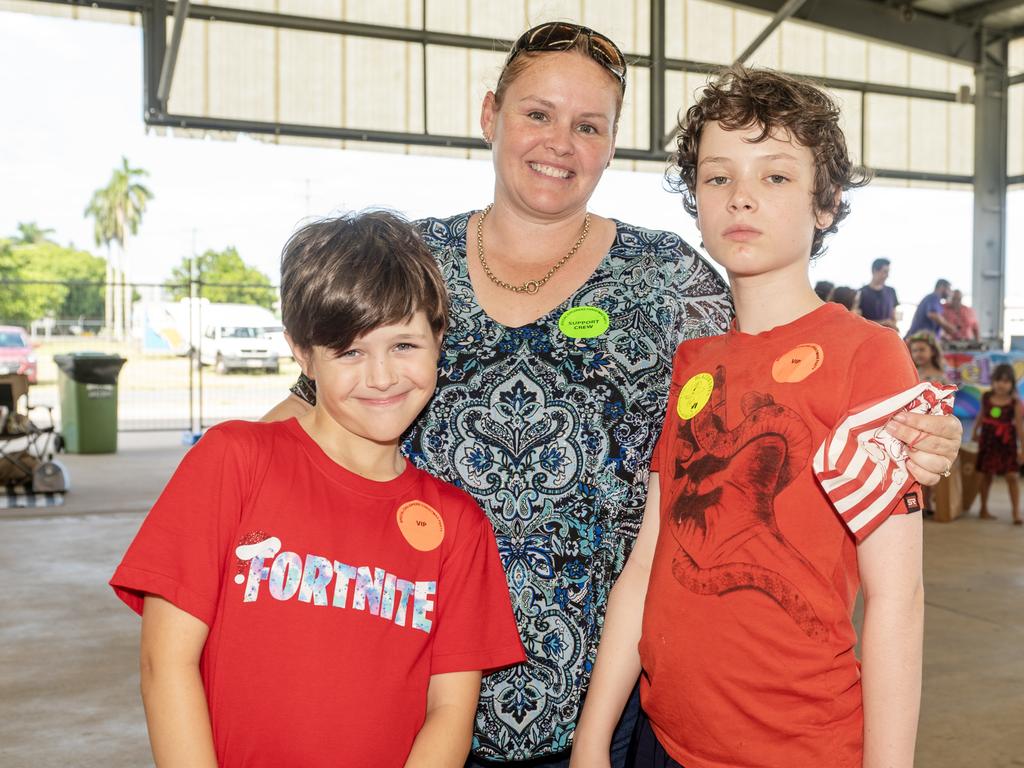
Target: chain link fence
[{"x": 191, "y": 361}]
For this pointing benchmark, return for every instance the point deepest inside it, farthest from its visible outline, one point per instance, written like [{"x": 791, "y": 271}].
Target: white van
[{"x": 237, "y": 347}]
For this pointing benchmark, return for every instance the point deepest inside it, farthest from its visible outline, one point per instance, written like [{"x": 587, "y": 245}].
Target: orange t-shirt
[{"x": 748, "y": 644}]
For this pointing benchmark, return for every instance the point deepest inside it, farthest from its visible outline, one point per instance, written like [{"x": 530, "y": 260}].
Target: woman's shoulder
[
  {"x": 440, "y": 231},
  {"x": 666, "y": 246}
]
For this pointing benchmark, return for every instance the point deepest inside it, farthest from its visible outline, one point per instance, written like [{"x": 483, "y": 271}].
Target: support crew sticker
[
  {"x": 694, "y": 395},
  {"x": 583, "y": 322},
  {"x": 421, "y": 525},
  {"x": 797, "y": 364}
]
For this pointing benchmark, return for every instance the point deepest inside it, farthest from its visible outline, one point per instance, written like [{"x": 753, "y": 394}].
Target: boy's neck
[
  {"x": 380, "y": 462},
  {"x": 771, "y": 299},
  {"x": 877, "y": 284}
]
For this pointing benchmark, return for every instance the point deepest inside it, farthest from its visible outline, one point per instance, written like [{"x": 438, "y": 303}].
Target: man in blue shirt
[
  {"x": 928, "y": 316},
  {"x": 877, "y": 301}
]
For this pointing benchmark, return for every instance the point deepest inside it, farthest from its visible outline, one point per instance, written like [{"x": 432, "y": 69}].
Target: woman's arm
[
  {"x": 172, "y": 690},
  {"x": 293, "y": 405},
  {"x": 447, "y": 731},
  {"x": 618, "y": 657},
  {"x": 890, "y": 567},
  {"x": 934, "y": 442}
]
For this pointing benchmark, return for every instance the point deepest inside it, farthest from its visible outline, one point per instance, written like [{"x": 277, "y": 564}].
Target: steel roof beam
[
  {"x": 911, "y": 28},
  {"x": 787, "y": 10},
  {"x": 978, "y": 12}
]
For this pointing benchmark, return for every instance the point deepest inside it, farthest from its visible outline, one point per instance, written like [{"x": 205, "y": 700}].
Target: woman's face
[
  {"x": 554, "y": 134},
  {"x": 921, "y": 353}
]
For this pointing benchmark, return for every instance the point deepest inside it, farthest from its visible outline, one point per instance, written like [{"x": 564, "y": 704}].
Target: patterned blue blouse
[{"x": 552, "y": 435}]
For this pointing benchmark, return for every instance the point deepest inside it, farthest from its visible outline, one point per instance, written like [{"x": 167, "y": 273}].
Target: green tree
[
  {"x": 116, "y": 211},
  {"x": 30, "y": 232},
  {"x": 225, "y": 278},
  {"x": 45, "y": 279}
]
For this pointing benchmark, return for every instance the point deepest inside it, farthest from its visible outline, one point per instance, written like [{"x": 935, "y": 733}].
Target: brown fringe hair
[{"x": 342, "y": 277}]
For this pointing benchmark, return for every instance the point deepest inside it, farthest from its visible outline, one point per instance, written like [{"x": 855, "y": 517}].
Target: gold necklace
[{"x": 530, "y": 286}]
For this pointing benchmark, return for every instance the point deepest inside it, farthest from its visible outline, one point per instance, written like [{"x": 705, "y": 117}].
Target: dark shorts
[
  {"x": 621, "y": 741},
  {"x": 646, "y": 751}
]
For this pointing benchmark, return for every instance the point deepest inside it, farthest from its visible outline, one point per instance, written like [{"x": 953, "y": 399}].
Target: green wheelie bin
[{"x": 87, "y": 385}]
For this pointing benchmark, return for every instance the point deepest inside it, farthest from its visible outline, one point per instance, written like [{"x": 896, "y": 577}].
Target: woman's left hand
[{"x": 934, "y": 442}]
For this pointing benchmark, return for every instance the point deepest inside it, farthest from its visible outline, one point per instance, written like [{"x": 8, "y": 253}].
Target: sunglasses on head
[{"x": 561, "y": 36}]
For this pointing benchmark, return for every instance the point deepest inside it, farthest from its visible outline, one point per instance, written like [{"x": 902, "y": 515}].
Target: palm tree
[
  {"x": 117, "y": 211},
  {"x": 30, "y": 233}
]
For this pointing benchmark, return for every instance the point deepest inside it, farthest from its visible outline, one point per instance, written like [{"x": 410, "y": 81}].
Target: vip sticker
[
  {"x": 421, "y": 525},
  {"x": 797, "y": 364},
  {"x": 694, "y": 395},
  {"x": 583, "y": 322}
]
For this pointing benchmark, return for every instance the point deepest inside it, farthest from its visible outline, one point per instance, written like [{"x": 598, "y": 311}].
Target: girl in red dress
[{"x": 998, "y": 429}]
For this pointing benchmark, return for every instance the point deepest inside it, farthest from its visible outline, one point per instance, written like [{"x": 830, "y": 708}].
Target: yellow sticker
[
  {"x": 694, "y": 395},
  {"x": 421, "y": 525},
  {"x": 797, "y": 364}
]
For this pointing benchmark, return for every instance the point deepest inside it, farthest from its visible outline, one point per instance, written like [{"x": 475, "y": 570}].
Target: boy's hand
[{"x": 934, "y": 442}]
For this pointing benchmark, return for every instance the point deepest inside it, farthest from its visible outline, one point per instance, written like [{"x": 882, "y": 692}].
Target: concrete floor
[{"x": 68, "y": 647}]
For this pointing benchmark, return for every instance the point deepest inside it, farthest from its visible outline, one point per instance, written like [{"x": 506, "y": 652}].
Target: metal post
[
  {"x": 657, "y": 84},
  {"x": 787, "y": 10},
  {"x": 154, "y": 44},
  {"x": 171, "y": 54},
  {"x": 990, "y": 119}
]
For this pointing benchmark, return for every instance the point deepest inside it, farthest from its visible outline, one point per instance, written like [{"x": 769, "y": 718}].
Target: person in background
[
  {"x": 961, "y": 317},
  {"x": 823, "y": 289},
  {"x": 876, "y": 300},
  {"x": 845, "y": 295},
  {"x": 999, "y": 431},
  {"x": 928, "y": 316},
  {"x": 927, "y": 357}
]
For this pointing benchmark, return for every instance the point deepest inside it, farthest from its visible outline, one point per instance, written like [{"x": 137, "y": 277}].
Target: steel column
[
  {"x": 656, "y": 128},
  {"x": 787, "y": 10},
  {"x": 990, "y": 118},
  {"x": 154, "y": 46},
  {"x": 171, "y": 55}
]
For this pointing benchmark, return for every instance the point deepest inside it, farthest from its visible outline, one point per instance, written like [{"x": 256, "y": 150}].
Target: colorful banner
[{"x": 971, "y": 372}]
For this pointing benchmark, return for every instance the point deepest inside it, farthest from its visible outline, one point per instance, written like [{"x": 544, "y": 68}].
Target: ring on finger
[{"x": 949, "y": 468}]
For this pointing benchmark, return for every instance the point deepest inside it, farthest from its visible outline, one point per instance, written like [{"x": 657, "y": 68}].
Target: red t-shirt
[
  {"x": 331, "y": 599},
  {"x": 748, "y": 644}
]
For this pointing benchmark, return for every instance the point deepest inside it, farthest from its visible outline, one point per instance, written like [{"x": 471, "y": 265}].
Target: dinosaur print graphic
[{"x": 722, "y": 514}]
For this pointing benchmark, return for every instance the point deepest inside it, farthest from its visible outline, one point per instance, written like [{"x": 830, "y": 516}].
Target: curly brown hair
[{"x": 740, "y": 97}]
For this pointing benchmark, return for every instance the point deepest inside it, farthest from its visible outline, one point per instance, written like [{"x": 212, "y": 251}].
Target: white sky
[{"x": 71, "y": 96}]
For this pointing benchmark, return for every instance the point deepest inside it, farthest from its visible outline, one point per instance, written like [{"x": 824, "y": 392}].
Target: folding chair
[{"x": 27, "y": 448}]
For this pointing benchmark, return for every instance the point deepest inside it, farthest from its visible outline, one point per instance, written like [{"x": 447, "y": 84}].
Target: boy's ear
[
  {"x": 824, "y": 219},
  {"x": 301, "y": 354}
]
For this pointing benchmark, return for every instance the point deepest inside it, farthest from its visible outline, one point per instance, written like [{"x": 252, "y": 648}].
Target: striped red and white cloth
[{"x": 862, "y": 468}]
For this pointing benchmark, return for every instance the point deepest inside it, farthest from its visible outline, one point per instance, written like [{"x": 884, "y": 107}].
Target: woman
[{"x": 554, "y": 375}]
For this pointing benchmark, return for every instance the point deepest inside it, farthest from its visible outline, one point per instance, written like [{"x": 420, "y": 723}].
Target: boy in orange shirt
[{"x": 746, "y": 642}]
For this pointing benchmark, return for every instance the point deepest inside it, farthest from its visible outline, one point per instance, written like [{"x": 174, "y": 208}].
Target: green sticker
[
  {"x": 996, "y": 412},
  {"x": 583, "y": 322}
]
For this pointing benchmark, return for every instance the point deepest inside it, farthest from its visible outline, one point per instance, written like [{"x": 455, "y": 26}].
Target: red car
[{"x": 16, "y": 353}]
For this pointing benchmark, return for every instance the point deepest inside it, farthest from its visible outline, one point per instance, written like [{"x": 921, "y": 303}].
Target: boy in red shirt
[
  {"x": 746, "y": 642},
  {"x": 308, "y": 597}
]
